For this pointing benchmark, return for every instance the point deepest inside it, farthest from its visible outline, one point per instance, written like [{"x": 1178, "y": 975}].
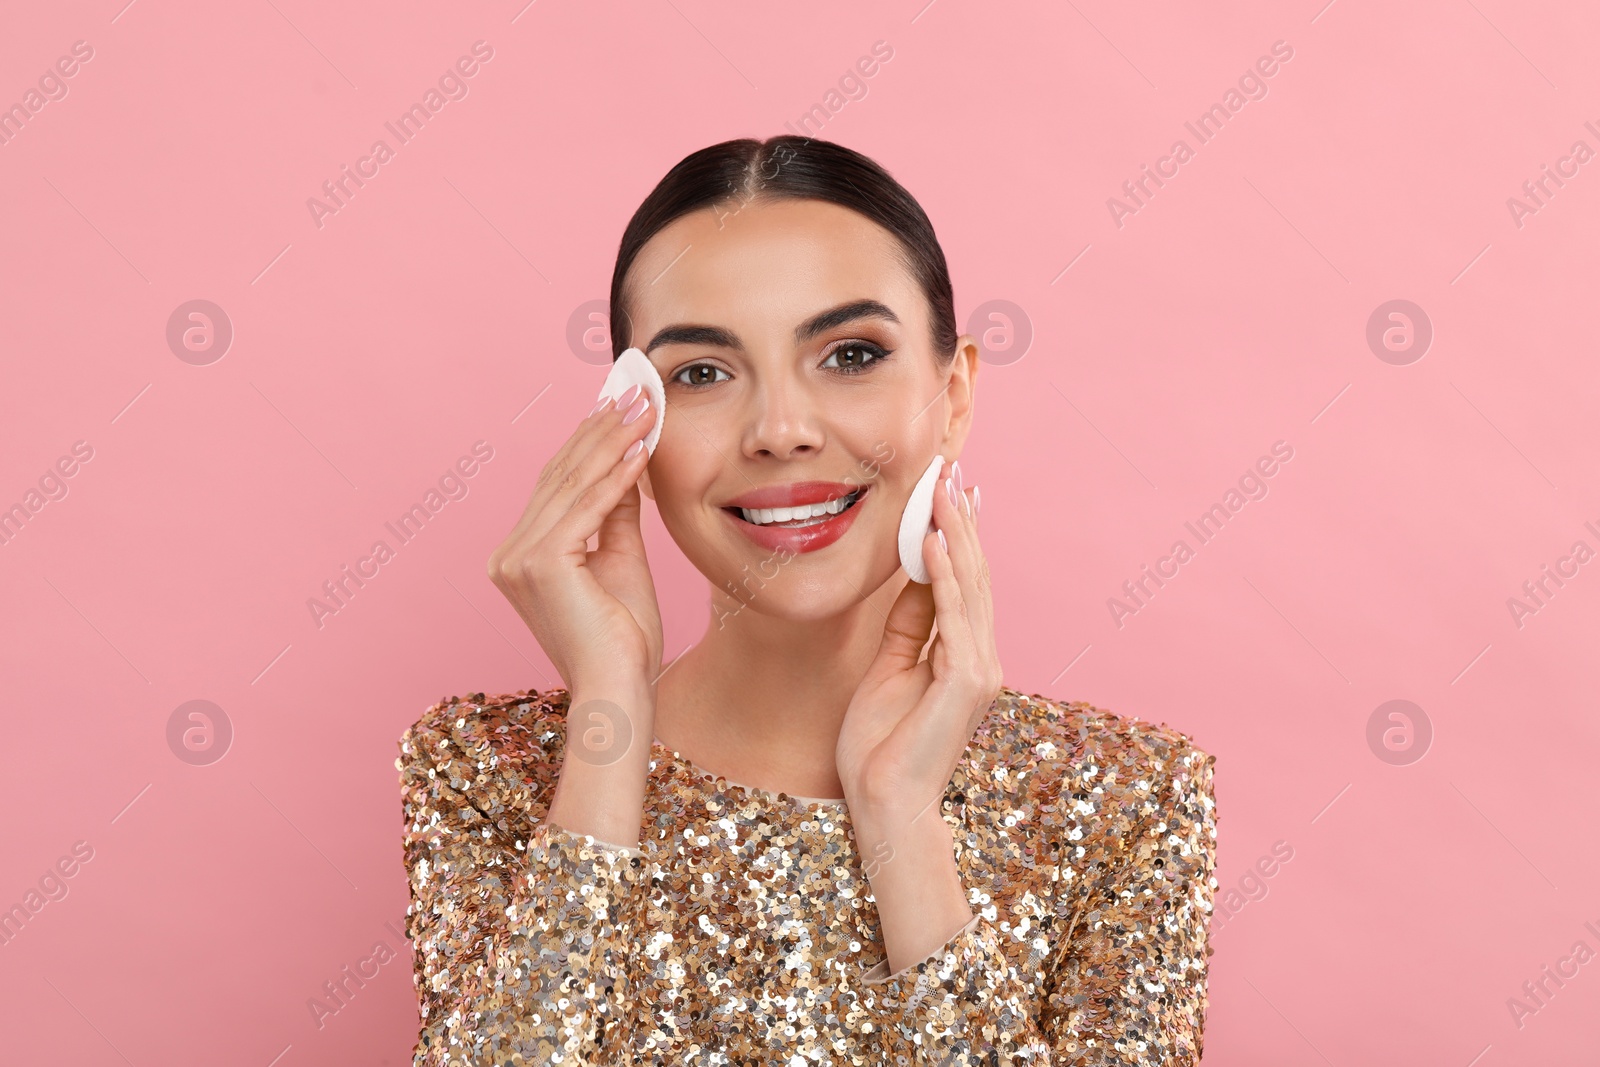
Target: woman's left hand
[{"x": 910, "y": 721}]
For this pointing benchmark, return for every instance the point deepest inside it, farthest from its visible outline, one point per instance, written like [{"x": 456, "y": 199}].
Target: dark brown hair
[{"x": 791, "y": 168}]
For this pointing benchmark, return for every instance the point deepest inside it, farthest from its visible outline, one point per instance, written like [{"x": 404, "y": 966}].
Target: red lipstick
[{"x": 796, "y": 538}]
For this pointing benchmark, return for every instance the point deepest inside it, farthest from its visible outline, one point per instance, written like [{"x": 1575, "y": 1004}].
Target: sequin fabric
[{"x": 743, "y": 931}]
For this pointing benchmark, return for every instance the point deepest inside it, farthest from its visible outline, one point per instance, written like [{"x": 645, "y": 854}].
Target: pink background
[{"x": 1228, "y": 313}]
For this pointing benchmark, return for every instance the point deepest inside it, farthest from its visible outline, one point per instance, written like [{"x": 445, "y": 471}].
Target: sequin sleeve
[
  {"x": 958, "y": 1007},
  {"x": 1129, "y": 983},
  {"x": 521, "y": 930},
  {"x": 1125, "y": 977},
  {"x": 458, "y": 881},
  {"x": 561, "y": 991}
]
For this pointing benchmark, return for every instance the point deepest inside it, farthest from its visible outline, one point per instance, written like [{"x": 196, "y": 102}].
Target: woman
[{"x": 799, "y": 842}]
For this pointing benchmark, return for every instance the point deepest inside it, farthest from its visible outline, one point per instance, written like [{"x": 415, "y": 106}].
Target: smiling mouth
[{"x": 799, "y": 517}]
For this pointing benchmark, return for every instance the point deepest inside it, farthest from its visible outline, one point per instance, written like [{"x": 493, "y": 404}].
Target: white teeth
[{"x": 767, "y": 516}]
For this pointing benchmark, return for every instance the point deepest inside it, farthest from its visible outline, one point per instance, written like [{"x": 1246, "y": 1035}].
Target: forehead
[{"x": 765, "y": 266}]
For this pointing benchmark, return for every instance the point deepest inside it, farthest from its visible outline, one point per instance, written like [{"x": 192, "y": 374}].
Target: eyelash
[{"x": 880, "y": 353}]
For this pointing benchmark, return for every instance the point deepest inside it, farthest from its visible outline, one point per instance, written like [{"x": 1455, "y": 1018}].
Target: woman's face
[{"x": 795, "y": 347}]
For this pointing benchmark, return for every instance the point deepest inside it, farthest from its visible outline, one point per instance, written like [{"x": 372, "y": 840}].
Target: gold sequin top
[{"x": 743, "y": 931}]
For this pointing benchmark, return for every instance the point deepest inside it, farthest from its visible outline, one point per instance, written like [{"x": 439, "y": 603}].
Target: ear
[
  {"x": 962, "y": 394},
  {"x": 644, "y": 483}
]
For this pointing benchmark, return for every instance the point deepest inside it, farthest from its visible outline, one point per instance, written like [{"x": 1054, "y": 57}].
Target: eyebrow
[{"x": 719, "y": 337}]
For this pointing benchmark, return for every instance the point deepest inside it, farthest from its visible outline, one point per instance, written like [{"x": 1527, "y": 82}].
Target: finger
[
  {"x": 559, "y": 466},
  {"x": 555, "y": 468},
  {"x": 551, "y": 512},
  {"x": 974, "y": 657},
  {"x": 907, "y": 628},
  {"x": 577, "y": 443},
  {"x": 972, "y": 567},
  {"x": 945, "y": 729},
  {"x": 951, "y": 515},
  {"x": 950, "y": 606},
  {"x": 603, "y": 445},
  {"x": 587, "y": 502},
  {"x": 620, "y": 529}
]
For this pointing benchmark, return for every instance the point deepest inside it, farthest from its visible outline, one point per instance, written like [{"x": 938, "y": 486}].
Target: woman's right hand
[{"x": 594, "y": 613}]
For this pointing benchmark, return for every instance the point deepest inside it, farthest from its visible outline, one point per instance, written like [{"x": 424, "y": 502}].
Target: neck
[{"x": 760, "y": 699}]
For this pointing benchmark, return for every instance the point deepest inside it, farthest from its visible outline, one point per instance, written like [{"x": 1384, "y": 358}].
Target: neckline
[{"x": 835, "y": 804}]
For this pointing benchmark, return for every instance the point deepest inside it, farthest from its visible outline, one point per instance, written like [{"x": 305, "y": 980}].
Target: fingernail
[
  {"x": 942, "y": 542},
  {"x": 627, "y": 397},
  {"x": 950, "y": 490},
  {"x": 603, "y": 402},
  {"x": 977, "y": 499},
  {"x": 967, "y": 500},
  {"x": 633, "y": 449},
  {"x": 955, "y": 472},
  {"x": 637, "y": 410}
]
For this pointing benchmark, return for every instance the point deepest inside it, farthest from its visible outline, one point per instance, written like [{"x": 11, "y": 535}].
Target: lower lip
[{"x": 800, "y": 538}]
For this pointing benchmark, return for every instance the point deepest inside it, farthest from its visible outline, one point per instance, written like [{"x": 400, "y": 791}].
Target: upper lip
[{"x": 792, "y": 495}]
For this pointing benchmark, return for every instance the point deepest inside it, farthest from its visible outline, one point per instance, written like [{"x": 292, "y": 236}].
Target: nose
[{"x": 783, "y": 422}]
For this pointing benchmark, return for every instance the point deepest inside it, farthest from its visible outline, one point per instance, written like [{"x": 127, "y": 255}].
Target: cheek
[
  {"x": 894, "y": 462},
  {"x": 683, "y": 472}
]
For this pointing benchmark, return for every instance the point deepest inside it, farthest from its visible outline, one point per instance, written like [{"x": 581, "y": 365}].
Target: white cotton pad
[
  {"x": 917, "y": 522},
  {"x": 632, "y": 368}
]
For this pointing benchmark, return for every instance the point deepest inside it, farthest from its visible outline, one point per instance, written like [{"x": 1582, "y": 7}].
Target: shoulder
[
  {"x": 1095, "y": 773},
  {"x": 500, "y": 754},
  {"x": 1076, "y": 734},
  {"x": 509, "y": 725}
]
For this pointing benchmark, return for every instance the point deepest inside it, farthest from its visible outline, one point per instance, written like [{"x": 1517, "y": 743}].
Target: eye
[
  {"x": 699, "y": 383},
  {"x": 862, "y": 356}
]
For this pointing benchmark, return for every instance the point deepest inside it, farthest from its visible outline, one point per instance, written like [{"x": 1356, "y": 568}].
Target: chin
[{"x": 805, "y": 589}]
